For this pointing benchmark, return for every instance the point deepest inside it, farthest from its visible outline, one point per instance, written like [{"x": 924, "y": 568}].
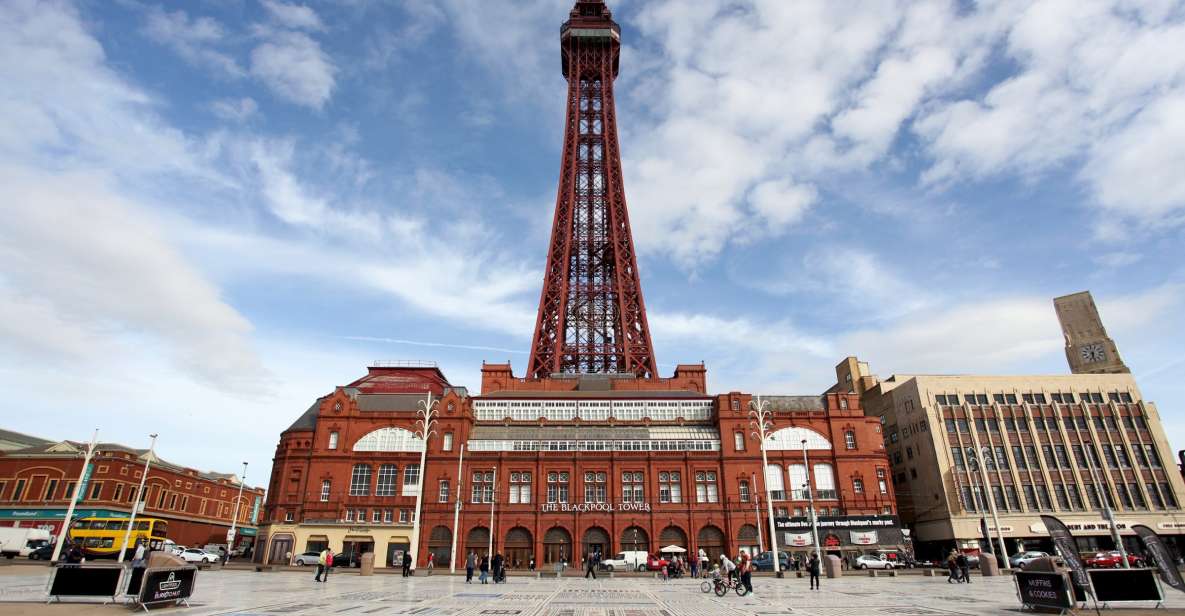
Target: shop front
[{"x": 284, "y": 541}]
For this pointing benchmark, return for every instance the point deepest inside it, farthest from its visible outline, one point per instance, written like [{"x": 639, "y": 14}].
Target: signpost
[
  {"x": 1044, "y": 589},
  {"x": 167, "y": 584}
]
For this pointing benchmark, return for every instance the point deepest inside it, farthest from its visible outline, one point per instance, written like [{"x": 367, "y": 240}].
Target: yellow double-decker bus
[{"x": 103, "y": 537}]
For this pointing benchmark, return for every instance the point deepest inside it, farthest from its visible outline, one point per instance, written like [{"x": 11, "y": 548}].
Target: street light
[
  {"x": 86, "y": 462},
  {"x": 428, "y": 414},
  {"x": 452, "y": 560},
  {"x": 760, "y": 414},
  {"x": 139, "y": 502},
  {"x": 989, "y": 497},
  {"x": 810, "y": 497},
  {"x": 1103, "y": 494},
  {"x": 230, "y": 534}
]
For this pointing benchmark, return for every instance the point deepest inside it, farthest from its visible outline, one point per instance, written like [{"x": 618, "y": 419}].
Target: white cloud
[
  {"x": 1118, "y": 259},
  {"x": 781, "y": 203},
  {"x": 98, "y": 274},
  {"x": 295, "y": 16},
  {"x": 195, "y": 40},
  {"x": 295, "y": 68},
  {"x": 235, "y": 110}
]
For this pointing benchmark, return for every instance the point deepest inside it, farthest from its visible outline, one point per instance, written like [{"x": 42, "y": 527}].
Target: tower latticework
[{"x": 591, "y": 315}]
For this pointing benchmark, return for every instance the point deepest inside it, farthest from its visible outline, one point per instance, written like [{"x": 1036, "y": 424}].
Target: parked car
[
  {"x": 175, "y": 550},
  {"x": 198, "y": 555},
  {"x": 1112, "y": 560},
  {"x": 626, "y": 561},
  {"x": 874, "y": 561},
  {"x": 1022, "y": 560},
  {"x": 306, "y": 559},
  {"x": 765, "y": 561},
  {"x": 44, "y": 552},
  {"x": 655, "y": 563}
]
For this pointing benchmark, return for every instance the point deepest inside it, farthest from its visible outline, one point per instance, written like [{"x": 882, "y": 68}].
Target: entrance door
[
  {"x": 518, "y": 548},
  {"x": 557, "y": 546},
  {"x": 395, "y": 553},
  {"x": 596, "y": 541},
  {"x": 281, "y": 549}
]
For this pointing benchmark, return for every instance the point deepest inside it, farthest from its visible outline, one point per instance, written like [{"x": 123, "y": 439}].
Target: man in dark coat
[
  {"x": 406, "y": 564},
  {"x": 499, "y": 572},
  {"x": 813, "y": 567},
  {"x": 964, "y": 567}
]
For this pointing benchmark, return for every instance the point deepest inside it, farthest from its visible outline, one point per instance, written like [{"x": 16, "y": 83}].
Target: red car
[
  {"x": 654, "y": 563},
  {"x": 1112, "y": 560}
]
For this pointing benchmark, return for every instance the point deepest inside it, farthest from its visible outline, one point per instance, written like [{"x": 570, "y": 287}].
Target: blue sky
[{"x": 214, "y": 212}]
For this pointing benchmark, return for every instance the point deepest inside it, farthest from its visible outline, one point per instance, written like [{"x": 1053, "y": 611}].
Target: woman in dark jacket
[{"x": 484, "y": 568}]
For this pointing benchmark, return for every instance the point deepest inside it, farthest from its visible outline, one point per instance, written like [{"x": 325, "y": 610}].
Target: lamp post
[
  {"x": 1104, "y": 499},
  {"x": 137, "y": 505},
  {"x": 452, "y": 561},
  {"x": 86, "y": 462},
  {"x": 810, "y": 497},
  {"x": 230, "y": 534},
  {"x": 757, "y": 514},
  {"x": 988, "y": 496},
  {"x": 759, "y": 415},
  {"x": 427, "y": 420},
  {"x": 493, "y": 497}
]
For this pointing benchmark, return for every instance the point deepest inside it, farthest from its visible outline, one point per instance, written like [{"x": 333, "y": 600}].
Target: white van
[
  {"x": 626, "y": 561},
  {"x": 21, "y": 541}
]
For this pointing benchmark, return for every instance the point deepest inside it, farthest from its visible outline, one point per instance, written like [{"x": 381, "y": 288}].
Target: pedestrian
[
  {"x": 498, "y": 570},
  {"x": 138, "y": 558},
  {"x": 406, "y": 564},
  {"x": 470, "y": 563},
  {"x": 431, "y": 562},
  {"x": 590, "y": 566},
  {"x": 703, "y": 562},
  {"x": 845, "y": 562},
  {"x": 746, "y": 572},
  {"x": 694, "y": 568},
  {"x": 727, "y": 567},
  {"x": 964, "y": 568},
  {"x": 952, "y": 567},
  {"x": 485, "y": 569},
  {"x": 531, "y": 565},
  {"x": 813, "y": 566}
]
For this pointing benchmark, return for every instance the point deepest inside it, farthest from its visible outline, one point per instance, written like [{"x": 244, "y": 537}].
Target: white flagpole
[{"x": 86, "y": 461}]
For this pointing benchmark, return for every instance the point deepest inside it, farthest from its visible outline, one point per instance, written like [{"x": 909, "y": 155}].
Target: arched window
[
  {"x": 824, "y": 481},
  {"x": 773, "y": 478},
  {"x": 390, "y": 439},
  {"x": 798, "y": 482},
  {"x": 849, "y": 439},
  {"x": 360, "y": 480},
  {"x": 791, "y": 439}
]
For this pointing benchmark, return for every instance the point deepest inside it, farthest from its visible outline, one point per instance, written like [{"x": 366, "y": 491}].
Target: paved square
[{"x": 246, "y": 593}]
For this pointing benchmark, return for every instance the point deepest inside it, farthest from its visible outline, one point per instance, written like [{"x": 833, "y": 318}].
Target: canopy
[{"x": 673, "y": 548}]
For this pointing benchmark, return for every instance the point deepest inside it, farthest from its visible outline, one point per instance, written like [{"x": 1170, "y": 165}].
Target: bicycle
[{"x": 721, "y": 587}]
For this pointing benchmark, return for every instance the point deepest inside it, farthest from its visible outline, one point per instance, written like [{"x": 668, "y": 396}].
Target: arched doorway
[
  {"x": 478, "y": 541},
  {"x": 518, "y": 548},
  {"x": 440, "y": 545},
  {"x": 711, "y": 540},
  {"x": 557, "y": 546},
  {"x": 596, "y": 540},
  {"x": 672, "y": 535},
  {"x": 635, "y": 539},
  {"x": 747, "y": 539}
]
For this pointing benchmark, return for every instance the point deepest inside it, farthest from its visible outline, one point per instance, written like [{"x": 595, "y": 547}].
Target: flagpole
[
  {"x": 139, "y": 497},
  {"x": 452, "y": 567},
  {"x": 86, "y": 462}
]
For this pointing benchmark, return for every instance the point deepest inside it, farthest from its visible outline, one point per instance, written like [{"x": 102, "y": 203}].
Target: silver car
[{"x": 307, "y": 559}]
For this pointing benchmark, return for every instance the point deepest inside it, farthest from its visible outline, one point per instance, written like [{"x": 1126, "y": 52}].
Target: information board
[
  {"x": 85, "y": 581},
  {"x": 167, "y": 584},
  {"x": 1112, "y": 585},
  {"x": 1044, "y": 589}
]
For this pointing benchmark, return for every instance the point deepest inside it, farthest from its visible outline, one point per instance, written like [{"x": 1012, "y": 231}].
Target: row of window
[
  {"x": 1056, "y": 457},
  {"x": 390, "y": 439},
  {"x": 595, "y": 484},
  {"x": 601, "y": 445},
  {"x": 1048, "y": 423},
  {"x": 824, "y": 484},
  {"x": 377, "y": 516},
  {"x": 1093, "y": 397},
  {"x": 1067, "y": 496},
  {"x": 388, "y": 476},
  {"x": 165, "y": 499},
  {"x": 594, "y": 410}
]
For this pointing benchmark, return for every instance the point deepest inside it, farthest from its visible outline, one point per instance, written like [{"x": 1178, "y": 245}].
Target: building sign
[
  {"x": 845, "y": 522},
  {"x": 589, "y": 507},
  {"x": 57, "y": 514},
  {"x": 1087, "y": 526},
  {"x": 255, "y": 510},
  {"x": 867, "y": 537},
  {"x": 797, "y": 540},
  {"x": 86, "y": 478},
  {"x": 831, "y": 541}
]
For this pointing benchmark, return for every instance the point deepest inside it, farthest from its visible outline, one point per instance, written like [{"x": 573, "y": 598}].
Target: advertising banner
[
  {"x": 85, "y": 581},
  {"x": 1112, "y": 585},
  {"x": 1161, "y": 556},
  {"x": 867, "y": 537},
  {"x": 839, "y": 522},
  {"x": 1068, "y": 549},
  {"x": 86, "y": 479},
  {"x": 167, "y": 584},
  {"x": 1043, "y": 589},
  {"x": 798, "y": 540}
]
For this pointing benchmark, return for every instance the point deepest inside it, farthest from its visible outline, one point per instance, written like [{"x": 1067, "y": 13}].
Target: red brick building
[
  {"x": 37, "y": 483},
  {"x": 568, "y": 465}
]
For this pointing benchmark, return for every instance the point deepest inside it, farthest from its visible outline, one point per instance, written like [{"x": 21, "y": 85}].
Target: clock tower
[{"x": 1088, "y": 348}]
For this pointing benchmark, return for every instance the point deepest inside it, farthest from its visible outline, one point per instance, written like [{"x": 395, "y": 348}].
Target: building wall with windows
[
  {"x": 1009, "y": 448},
  {"x": 569, "y": 465},
  {"x": 37, "y": 483}
]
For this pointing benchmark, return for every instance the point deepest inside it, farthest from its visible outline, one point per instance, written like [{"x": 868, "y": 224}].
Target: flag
[
  {"x": 1064, "y": 541},
  {"x": 1155, "y": 547}
]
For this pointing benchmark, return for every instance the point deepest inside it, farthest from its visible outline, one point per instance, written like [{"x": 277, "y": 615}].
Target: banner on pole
[
  {"x": 1064, "y": 542},
  {"x": 1155, "y": 546}
]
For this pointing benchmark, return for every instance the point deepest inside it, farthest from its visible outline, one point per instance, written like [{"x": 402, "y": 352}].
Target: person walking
[
  {"x": 952, "y": 567},
  {"x": 531, "y": 565},
  {"x": 431, "y": 562},
  {"x": 703, "y": 562},
  {"x": 964, "y": 568},
  {"x": 406, "y": 564},
  {"x": 590, "y": 566},
  {"x": 485, "y": 569},
  {"x": 694, "y": 568},
  {"x": 746, "y": 572},
  {"x": 470, "y": 563},
  {"x": 138, "y": 557},
  {"x": 498, "y": 569},
  {"x": 813, "y": 567}
]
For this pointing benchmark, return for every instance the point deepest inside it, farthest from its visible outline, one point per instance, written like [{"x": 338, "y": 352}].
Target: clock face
[{"x": 1092, "y": 352}]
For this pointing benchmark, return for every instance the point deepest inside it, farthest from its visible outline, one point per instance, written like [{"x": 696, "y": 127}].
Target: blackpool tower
[{"x": 591, "y": 315}]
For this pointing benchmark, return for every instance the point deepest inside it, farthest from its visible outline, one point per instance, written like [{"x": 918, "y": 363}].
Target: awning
[
  {"x": 359, "y": 538},
  {"x": 674, "y": 549},
  {"x": 317, "y": 538}
]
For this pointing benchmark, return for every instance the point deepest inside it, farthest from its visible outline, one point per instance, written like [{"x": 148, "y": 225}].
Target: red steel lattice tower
[{"x": 591, "y": 315}]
